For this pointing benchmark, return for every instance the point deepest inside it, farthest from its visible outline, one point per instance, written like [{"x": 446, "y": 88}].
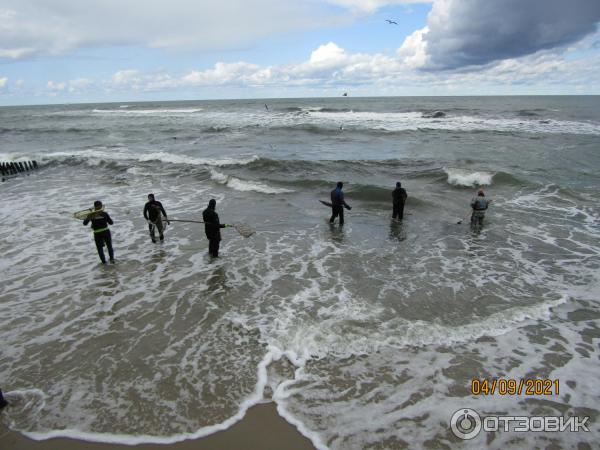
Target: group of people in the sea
[{"x": 156, "y": 216}]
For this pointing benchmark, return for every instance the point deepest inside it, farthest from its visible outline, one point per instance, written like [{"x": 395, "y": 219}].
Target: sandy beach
[{"x": 262, "y": 428}]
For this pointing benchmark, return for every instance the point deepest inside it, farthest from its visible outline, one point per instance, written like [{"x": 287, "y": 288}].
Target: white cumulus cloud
[{"x": 60, "y": 86}]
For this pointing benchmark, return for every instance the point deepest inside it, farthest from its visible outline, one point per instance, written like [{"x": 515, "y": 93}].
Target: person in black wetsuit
[
  {"x": 100, "y": 221},
  {"x": 152, "y": 213},
  {"x": 398, "y": 200},
  {"x": 338, "y": 203},
  {"x": 212, "y": 227}
]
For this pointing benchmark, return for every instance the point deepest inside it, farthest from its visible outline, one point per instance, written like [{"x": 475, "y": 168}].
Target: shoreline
[{"x": 261, "y": 428}]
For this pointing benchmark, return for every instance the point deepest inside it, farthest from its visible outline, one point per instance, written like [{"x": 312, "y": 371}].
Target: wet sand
[{"x": 261, "y": 429}]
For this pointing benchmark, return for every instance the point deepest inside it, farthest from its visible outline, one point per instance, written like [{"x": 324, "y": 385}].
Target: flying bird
[{"x": 391, "y": 22}]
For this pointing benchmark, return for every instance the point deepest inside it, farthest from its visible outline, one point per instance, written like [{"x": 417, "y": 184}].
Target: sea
[{"x": 367, "y": 336}]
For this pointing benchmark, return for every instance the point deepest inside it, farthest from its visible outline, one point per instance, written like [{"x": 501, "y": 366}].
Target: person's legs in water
[
  {"x": 213, "y": 248},
  {"x": 341, "y": 214},
  {"x": 394, "y": 211},
  {"x": 476, "y": 221},
  {"x": 99, "y": 239},
  {"x": 151, "y": 227},
  {"x": 401, "y": 211},
  {"x": 108, "y": 241},
  {"x": 334, "y": 214},
  {"x": 160, "y": 227}
]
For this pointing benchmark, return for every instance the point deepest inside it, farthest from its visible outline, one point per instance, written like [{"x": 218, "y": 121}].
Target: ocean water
[{"x": 366, "y": 336}]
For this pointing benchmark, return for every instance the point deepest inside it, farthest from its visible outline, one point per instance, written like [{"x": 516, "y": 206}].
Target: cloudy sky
[{"x": 57, "y": 51}]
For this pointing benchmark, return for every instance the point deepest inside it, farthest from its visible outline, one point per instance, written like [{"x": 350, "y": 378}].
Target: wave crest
[
  {"x": 461, "y": 177},
  {"x": 244, "y": 185}
]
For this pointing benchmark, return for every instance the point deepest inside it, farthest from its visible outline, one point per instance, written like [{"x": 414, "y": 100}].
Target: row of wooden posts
[{"x": 8, "y": 169}]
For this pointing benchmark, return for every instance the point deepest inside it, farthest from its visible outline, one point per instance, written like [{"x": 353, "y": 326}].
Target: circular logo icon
[{"x": 465, "y": 423}]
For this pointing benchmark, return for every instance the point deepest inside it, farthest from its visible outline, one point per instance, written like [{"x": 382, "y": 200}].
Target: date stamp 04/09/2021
[{"x": 514, "y": 386}]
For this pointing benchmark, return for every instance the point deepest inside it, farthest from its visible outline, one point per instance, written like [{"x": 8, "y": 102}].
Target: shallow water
[{"x": 377, "y": 320}]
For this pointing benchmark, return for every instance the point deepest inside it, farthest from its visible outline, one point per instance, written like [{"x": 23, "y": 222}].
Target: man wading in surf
[
  {"x": 398, "y": 201},
  {"x": 212, "y": 228},
  {"x": 100, "y": 222},
  {"x": 479, "y": 205},
  {"x": 152, "y": 213},
  {"x": 338, "y": 203}
]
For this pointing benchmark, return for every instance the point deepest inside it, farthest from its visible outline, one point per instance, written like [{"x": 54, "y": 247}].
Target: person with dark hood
[
  {"x": 479, "y": 205},
  {"x": 398, "y": 201},
  {"x": 212, "y": 228},
  {"x": 338, "y": 203},
  {"x": 152, "y": 213},
  {"x": 100, "y": 222}
]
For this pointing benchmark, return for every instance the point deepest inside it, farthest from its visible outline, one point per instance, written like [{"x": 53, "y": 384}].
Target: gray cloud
[{"x": 477, "y": 32}]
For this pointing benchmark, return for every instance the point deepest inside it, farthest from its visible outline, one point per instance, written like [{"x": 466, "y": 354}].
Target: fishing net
[
  {"x": 80, "y": 215},
  {"x": 244, "y": 229}
]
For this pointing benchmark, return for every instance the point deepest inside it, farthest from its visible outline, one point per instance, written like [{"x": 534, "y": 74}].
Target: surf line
[{"x": 273, "y": 354}]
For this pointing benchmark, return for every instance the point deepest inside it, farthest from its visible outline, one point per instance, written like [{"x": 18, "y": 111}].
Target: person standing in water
[
  {"x": 398, "y": 201},
  {"x": 479, "y": 205},
  {"x": 152, "y": 213},
  {"x": 100, "y": 222},
  {"x": 338, "y": 203},
  {"x": 212, "y": 228}
]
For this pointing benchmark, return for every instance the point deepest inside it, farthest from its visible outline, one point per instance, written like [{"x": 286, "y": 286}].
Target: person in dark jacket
[
  {"x": 479, "y": 205},
  {"x": 100, "y": 221},
  {"x": 398, "y": 201},
  {"x": 338, "y": 203},
  {"x": 152, "y": 213},
  {"x": 212, "y": 228}
]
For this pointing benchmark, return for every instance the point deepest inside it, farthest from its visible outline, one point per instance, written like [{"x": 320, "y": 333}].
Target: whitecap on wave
[{"x": 461, "y": 177}]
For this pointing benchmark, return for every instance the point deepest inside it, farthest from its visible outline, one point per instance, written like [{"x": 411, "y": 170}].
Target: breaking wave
[{"x": 244, "y": 185}]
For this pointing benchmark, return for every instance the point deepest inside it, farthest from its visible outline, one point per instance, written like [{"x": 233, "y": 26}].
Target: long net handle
[
  {"x": 242, "y": 229},
  {"x": 187, "y": 221}
]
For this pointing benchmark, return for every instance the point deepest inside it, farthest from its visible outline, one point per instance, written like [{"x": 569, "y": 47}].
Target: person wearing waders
[
  {"x": 153, "y": 213},
  {"x": 338, "y": 203},
  {"x": 398, "y": 201},
  {"x": 100, "y": 222},
  {"x": 212, "y": 228},
  {"x": 479, "y": 205}
]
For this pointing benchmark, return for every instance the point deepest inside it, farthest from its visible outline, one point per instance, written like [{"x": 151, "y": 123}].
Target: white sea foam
[
  {"x": 158, "y": 112},
  {"x": 400, "y": 121},
  {"x": 96, "y": 155},
  {"x": 461, "y": 177},
  {"x": 243, "y": 185},
  {"x": 183, "y": 159},
  {"x": 372, "y": 327}
]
